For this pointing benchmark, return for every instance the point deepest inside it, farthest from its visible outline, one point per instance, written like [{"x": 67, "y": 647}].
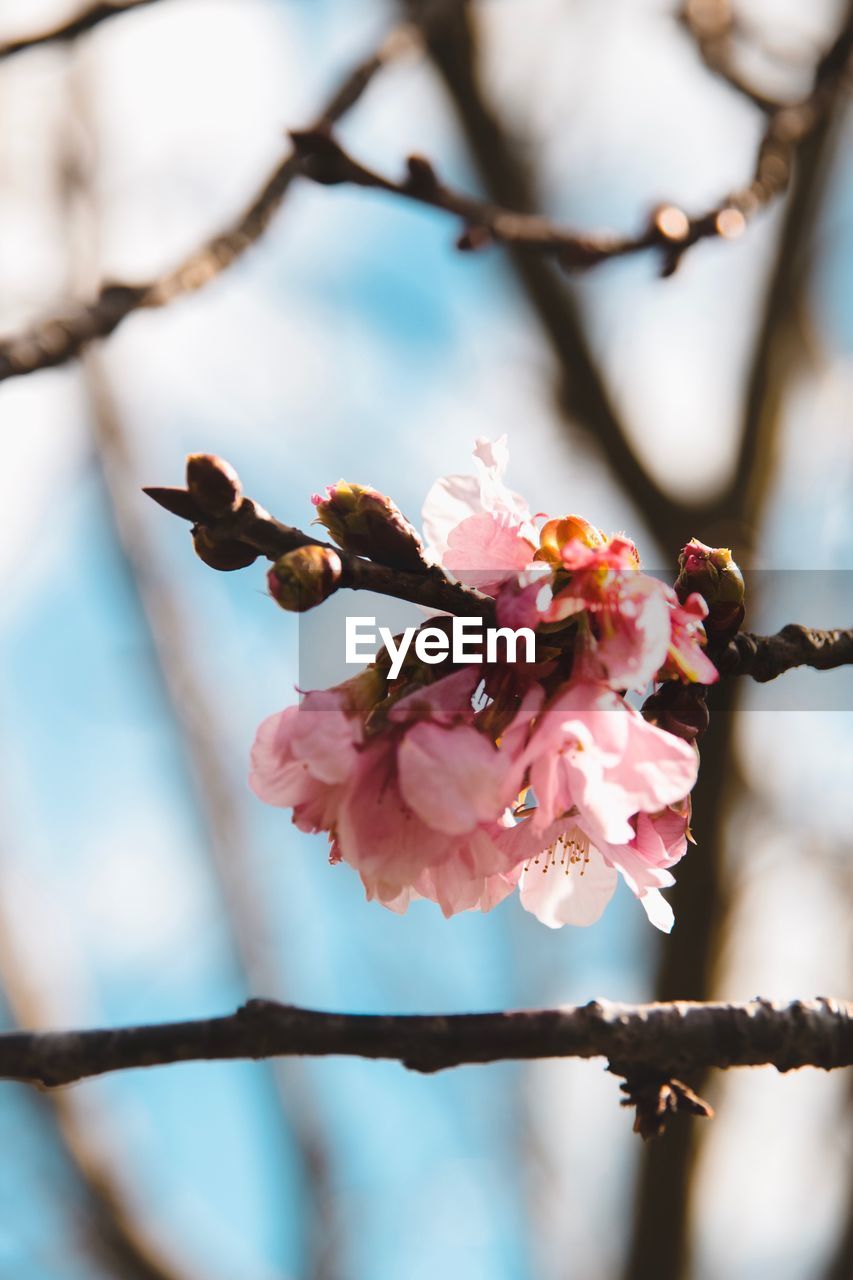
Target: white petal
[
  {"x": 658, "y": 910},
  {"x": 450, "y": 501},
  {"x": 556, "y": 898}
]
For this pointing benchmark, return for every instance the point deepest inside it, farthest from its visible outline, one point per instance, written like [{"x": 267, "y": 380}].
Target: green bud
[
  {"x": 712, "y": 573},
  {"x": 362, "y": 520}
]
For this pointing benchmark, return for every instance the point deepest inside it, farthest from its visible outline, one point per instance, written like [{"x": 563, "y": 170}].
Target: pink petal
[
  {"x": 451, "y": 778},
  {"x": 484, "y": 549}
]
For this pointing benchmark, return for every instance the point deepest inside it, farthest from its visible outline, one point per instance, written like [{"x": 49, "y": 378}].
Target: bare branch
[
  {"x": 69, "y": 30},
  {"x": 63, "y": 336},
  {"x": 766, "y": 657},
  {"x": 712, "y": 25},
  {"x": 661, "y": 1038},
  {"x": 669, "y": 229}
]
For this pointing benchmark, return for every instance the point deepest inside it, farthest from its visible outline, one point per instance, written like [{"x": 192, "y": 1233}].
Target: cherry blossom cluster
[{"x": 464, "y": 783}]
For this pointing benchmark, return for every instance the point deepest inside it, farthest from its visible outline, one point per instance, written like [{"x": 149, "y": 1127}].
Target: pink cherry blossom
[
  {"x": 475, "y": 526},
  {"x": 686, "y": 659},
  {"x": 303, "y": 755},
  {"x": 634, "y": 625},
  {"x": 591, "y": 753},
  {"x": 547, "y": 781},
  {"x": 571, "y": 879},
  {"x": 420, "y": 811}
]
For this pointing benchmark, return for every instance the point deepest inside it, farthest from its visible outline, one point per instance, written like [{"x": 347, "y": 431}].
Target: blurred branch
[
  {"x": 63, "y": 336},
  {"x": 65, "y": 32},
  {"x": 582, "y": 392},
  {"x": 129, "y": 1241},
  {"x": 688, "y": 966},
  {"x": 246, "y": 922},
  {"x": 713, "y": 25},
  {"x": 225, "y": 838},
  {"x": 653, "y": 1039},
  {"x": 669, "y": 230},
  {"x": 762, "y": 657}
]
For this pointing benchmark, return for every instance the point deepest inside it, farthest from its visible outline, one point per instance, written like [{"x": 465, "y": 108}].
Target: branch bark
[
  {"x": 63, "y": 336},
  {"x": 661, "y": 1038},
  {"x": 712, "y": 25},
  {"x": 71, "y": 29}
]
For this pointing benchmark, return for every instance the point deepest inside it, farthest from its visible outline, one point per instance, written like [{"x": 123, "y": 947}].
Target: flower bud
[
  {"x": 214, "y": 484},
  {"x": 304, "y": 578},
  {"x": 681, "y": 709},
  {"x": 225, "y": 554},
  {"x": 556, "y": 534},
  {"x": 714, "y": 574},
  {"x": 364, "y": 521}
]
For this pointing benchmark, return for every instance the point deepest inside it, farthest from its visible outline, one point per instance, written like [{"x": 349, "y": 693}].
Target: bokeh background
[{"x": 140, "y": 880}]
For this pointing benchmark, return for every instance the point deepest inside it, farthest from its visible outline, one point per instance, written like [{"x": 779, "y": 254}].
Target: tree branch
[
  {"x": 69, "y": 30},
  {"x": 712, "y": 25},
  {"x": 766, "y": 657},
  {"x": 59, "y": 339},
  {"x": 661, "y": 1038},
  {"x": 762, "y": 657},
  {"x": 669, "y": 229}
]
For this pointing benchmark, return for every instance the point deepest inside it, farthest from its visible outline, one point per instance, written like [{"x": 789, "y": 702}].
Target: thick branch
[
  {"x": 71, "y": 28},
  {"x": 669, "y": 230},
  {"x": 661, "y": 1038},
  {"x": 58, "y": 339}
]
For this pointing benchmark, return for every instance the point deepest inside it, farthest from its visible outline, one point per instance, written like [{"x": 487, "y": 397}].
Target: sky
[{"x": 353, "y": 341}]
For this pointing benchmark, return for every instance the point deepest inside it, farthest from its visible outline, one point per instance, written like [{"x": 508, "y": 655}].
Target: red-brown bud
[
  {"x": 679, "y": 708},
  {"x": 214, "y": 484},
  {"x": 226, "y": 554},
  {"x": 304, "y": 578}
]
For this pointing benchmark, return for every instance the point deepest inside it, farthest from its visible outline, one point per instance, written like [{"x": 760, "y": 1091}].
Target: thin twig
[
  {"x": 663, "y": 1038},
  {"x": 72, "y": 28},
  {"x": 712, "y": 25},
  {"x": 59, "y": 339},
  {"x": 669, "y": 229}
]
